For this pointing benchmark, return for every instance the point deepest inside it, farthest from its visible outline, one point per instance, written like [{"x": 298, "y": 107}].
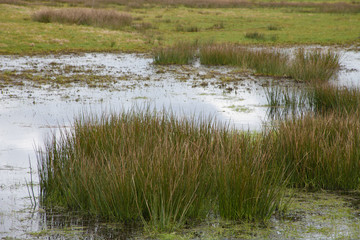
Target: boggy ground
[{"x": 317, "y": 215}]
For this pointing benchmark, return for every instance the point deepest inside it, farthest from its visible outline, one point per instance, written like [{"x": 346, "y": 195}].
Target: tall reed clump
[
  {"x": 159, "y": 169},
  {"x": 180, "y": 53},
  {"x": 313, "y": 66},
  {"x": 84, "y": 16},
  {"x": 325, "y": 98},
  {"x": 321, "y": 152},
  {"x": 137, "y": 166}
]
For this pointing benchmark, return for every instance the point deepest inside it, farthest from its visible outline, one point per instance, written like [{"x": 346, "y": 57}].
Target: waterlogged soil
[{"x": 41, "y": 94}]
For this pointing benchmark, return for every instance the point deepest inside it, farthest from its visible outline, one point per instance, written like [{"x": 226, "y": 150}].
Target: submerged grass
[
  {"x": 159, "y": 169},
  {"x": 319, "y": 98}
]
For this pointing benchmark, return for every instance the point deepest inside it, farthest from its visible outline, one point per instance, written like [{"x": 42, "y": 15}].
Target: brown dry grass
[
  {"x": 84, "y": 16},
  {"x": 326, "y": 7}
]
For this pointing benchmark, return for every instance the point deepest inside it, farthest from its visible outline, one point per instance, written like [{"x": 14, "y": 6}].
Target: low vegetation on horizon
[{"x": 76, "y": 25}]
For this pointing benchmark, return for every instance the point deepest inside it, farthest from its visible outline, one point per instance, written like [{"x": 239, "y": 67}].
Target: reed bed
[
  {"x": 159, "y": 169},
  {"x": 179, "y": 53},
  {"x": 320, "y": 152},
  {"x": 84, "y": 16}
]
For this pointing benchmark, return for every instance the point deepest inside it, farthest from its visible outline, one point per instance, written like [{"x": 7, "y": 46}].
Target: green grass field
[{"x": 157, "y": 25}]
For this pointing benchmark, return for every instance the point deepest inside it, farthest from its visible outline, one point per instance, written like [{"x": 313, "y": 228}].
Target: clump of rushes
[
  {"x": 84, "y": 16},
  {"x": 262, "y": 61},
  {"x": 255, "y": 35},
  {"x": 137, "y": 166},
  {"x": 313, "y": 66},
  {"x": 179, "y": 53},
  {"x": 272, "y": 63},
  {"x": 321, "y": 152},
  {"x": 158, "y": 169},
  {"x": 221, "y": 54},
  {"x": 249, "y": 186},
  {"x": 324, "y": 98}
]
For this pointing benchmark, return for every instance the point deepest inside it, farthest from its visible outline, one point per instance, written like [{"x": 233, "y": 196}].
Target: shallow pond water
[{"x": 30, "y": 112}]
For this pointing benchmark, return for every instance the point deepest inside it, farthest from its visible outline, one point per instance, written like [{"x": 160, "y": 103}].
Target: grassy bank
[{"x": 162, "y": 25}]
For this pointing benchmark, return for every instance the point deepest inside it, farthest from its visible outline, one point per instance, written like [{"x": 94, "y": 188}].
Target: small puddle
[{"x": 30, "y": 111}]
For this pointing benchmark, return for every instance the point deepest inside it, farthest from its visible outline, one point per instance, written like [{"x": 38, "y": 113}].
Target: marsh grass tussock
[
  {"x": 222, "y": 54},
  {"x": 249, "y": 186},
  {"x": 255, "y": 35},
  {"x": 307, "y": 66},
  {"x": 84, "y": 16},
  {"x": 322, "y": 152},
  {"x": 179, "y": 53},
  {"x": 262, "y": 61},
  {"x": 158, "y": 169},
  {"x": 324, "y": 98},
  {"x": 314, "y": 66}
]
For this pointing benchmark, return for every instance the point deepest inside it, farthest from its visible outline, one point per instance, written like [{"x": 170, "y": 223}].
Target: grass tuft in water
[
  {"x": 324, "y": 98},
  {"x": 314, "y": 66},
  {"x": 262, "y": 61},
  {"x": 159, "y": 169},
  {"x": 179, "y": 53}
]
